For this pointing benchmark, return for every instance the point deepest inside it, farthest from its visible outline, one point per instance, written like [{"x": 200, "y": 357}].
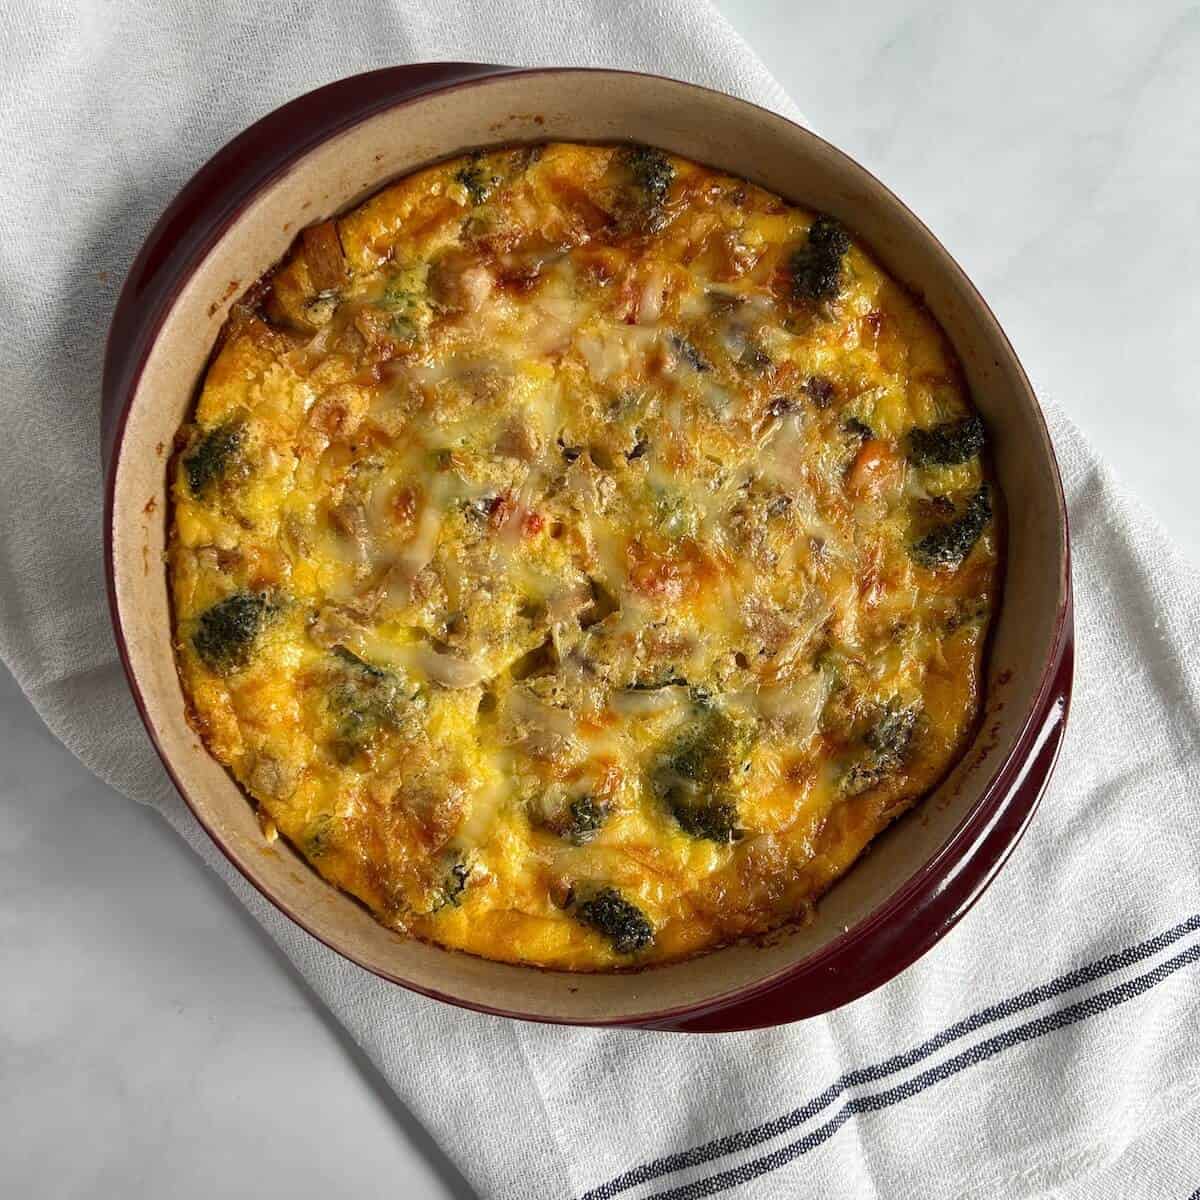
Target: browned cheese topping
[{"x": 579, "y": 555}]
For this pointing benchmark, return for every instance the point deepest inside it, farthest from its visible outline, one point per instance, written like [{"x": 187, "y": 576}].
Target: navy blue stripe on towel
[
  {"x": 1036, "y": 1028},
  {"x": 747, "y": 1138}
]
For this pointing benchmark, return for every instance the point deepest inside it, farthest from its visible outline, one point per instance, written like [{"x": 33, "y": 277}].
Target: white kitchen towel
[{"x": 1050, "y": 1046}]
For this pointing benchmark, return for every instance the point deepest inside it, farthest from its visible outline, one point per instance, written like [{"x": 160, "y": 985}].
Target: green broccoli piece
[
  {"x": 226, "y": 632},
  {"x": 212, "y": 455},
  {"x": 885, "y": 747},
  {"x": 586, "y": 816},
  {"x": 453, "y": 886},
  {"x": 619, "y": 920},
  {"x": 363, "y": 700},
  {"x": 404, "y": 297},
  {"x": 949, "y": 544},
  {"x": 694, "y": 777},
  {"x": 703, "y": 755},
  {"x": 890, "y": 735},
  {"x": 947, "y": 444},
  {"x": 816, "y": 267},
  {"x": 643, "y": 198},
  {"x": 576, "y": 821},
  {"x": 478, "y": 183},
  {"x": 397, "y": 296},
  {"x": 710, "y": 820},
  {"x": 651, "y": 170}
]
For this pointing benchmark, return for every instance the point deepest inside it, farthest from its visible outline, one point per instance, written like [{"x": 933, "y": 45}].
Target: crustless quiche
[{"x": 579, "y": 555}]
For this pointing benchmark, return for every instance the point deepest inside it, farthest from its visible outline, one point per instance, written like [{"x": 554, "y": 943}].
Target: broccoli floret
[
  {"x": 363, "y": 700},
  {"x": 711, "y": 820},
  {"x": 694, "y": 777},
  {"x": 397, "y": 296},
  {"x": 405, "y": 310},
  {"x": 705, "y": 754},
  {"x": 947, "y": 444},
  {"x": 949, "y": 544},
  {"x": 585, "y": 817},
  {"x": 643, "y": 197},
  {"x": 885, "y": 747},
  {"x": 651, "y": 171},
  {"x": 576, "y": 821},
  {"x": 623, "y": 923},
  {"x": 890, "y": 736},
  {"x": 816, "y": 267},
  {"x": 453, "y": 886},
  {"x": 212, "y": 455},
  {"x": 404, "y": 297},
  {"x": 476, "y": 180},
  {"x": 226, "y": 632}
]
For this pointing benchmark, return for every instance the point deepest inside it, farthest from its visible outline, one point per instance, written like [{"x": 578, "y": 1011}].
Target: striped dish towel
[{"x": 1050, "y": 1046}]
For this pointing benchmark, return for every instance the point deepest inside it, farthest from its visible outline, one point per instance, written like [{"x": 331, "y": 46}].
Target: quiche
[{"x": 579, "y": 555}]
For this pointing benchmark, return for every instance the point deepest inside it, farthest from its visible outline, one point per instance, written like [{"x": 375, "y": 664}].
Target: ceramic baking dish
[{"x": 325, "y": 152}]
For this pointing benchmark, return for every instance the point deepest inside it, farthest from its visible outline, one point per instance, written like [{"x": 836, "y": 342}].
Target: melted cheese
[{"x": 561, "y": 545}]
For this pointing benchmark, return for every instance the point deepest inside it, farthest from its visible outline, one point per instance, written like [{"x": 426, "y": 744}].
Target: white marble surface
[{"x": 152, "y": 1040}]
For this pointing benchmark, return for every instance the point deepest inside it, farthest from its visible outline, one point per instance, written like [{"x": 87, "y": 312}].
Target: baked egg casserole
[{"x": 579, "y": 555}]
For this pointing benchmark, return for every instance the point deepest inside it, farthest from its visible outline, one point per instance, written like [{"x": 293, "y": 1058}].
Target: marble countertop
[{"x": 147, "y": 1025}]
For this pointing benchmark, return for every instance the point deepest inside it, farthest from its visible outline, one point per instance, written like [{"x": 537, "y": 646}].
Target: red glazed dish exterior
[{"x": 863, "y": 957}]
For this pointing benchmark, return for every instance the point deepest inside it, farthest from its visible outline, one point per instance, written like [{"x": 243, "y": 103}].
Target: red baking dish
[{"x": 323, "y": 153}]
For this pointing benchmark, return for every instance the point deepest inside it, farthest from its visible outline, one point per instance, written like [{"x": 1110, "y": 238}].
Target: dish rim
[{"x": 923, "y": 908}]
